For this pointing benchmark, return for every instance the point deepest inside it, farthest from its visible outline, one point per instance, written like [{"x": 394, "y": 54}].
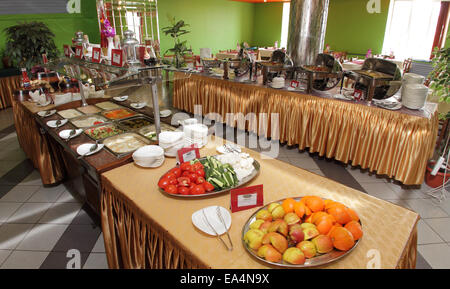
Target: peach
[
  {"x": 253, "y": 238},
  {"x": 264, "y": 215},
  {"x": 310, "y": 233},
  {"x": 308, "y": 248},
  {"x": 323, "y": 244},
  {"x": 269, "y": 253},
  {"x": 296, "y": 233},
  {"x": 277, "y": 240},
  {"x": 278, "y": 212},
  {"x": 279, "y": 226},
  {"x": 272, "y": 206},
  {"x": 256, "y": 224},
  {"x": 294, "y": 256},
  {"x": 291, "y": 218}
]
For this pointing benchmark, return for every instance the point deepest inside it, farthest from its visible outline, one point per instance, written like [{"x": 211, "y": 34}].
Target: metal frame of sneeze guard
[{"x": 108, "y": 76}]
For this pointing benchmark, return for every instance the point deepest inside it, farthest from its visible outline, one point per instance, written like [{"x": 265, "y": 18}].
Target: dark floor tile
[
  {"x": 6, "y": 131},
  {"x": 4, "y": 190},
  {"x": 17, "y": 174},
  {"x": 87, "y": 216},
  {"x": 80, "y": 237},
  {"x": 421, "y": 263},
  {"x": 59, "y": 260}
]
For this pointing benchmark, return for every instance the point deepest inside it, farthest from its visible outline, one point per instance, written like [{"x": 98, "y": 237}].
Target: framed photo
[
  {"x": 96, "y": 54},
  {"x": 117, "y": 57}
]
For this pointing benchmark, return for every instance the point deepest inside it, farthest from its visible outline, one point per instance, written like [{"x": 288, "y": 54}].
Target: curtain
[{"x": 411, "y": 27}]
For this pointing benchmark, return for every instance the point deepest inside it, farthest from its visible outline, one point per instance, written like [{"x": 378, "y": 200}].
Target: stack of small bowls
[
  {"x": 150, "y": 156},
  {"x": 171, "y": 142}
]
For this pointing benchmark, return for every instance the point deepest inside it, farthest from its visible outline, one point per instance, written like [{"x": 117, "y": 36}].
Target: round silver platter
[
  {"x": 313, "y": 262},
  {"x": 243, "y": 182}
]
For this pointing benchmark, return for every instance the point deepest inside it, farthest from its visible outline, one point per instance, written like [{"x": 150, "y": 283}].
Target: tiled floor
[{"x": 40, "y": 226}]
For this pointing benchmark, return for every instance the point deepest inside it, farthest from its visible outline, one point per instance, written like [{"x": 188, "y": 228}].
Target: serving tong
[
  {"x": 71, "y": 134},
  {"x": 219, "y": 215}
]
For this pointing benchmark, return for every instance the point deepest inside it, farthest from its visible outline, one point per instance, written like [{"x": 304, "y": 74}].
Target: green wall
[
  {"x": 217, "y": 24},
  {"x": 351, "y": 28},
  {"x": 63, "y": 26},
  {"x": 267, "y": 24}
]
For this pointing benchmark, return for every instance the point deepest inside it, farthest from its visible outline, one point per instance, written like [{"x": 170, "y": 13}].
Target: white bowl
[
  {"x": 168, "y": 138},
  {"x": 150, "y": 156}
]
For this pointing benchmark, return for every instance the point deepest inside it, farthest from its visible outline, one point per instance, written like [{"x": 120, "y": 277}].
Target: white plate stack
[
  {"x": 414, "y": 95},
  {"x": 195, "y": 134},
  {"x": 149, "y": 156},
  {"x": 411, "y": 78},
  {"x": 171, "y": 142}
]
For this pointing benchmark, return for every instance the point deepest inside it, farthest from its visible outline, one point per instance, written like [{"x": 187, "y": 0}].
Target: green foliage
[
  {"x": 27, "y": 41},
  {"x": 180, "y": 47},
  {"x": 439, "y": 76}
]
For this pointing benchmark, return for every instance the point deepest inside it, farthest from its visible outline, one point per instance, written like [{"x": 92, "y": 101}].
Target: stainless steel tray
[
  {"x": 136, "y": 117},
  {"x": 105, "y": 121},
  {"x": 313, "y": 262},
  {"x": 134, "y": 114},
  {"x": 119, "y": 154},
  {"x": 103, "y": 125},
  {"x": 243, "y": 182}
]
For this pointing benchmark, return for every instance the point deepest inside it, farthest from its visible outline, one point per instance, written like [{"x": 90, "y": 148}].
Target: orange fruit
[
  {"x": 315, "y": 203},
  {"x": 342, "y": 238},
  {"x": 353, "y": 215},
  {"x": 324, "y": 226},
  {"x": 326, "y": 217},
  {"x": 308, "y": 219},
  {"x": 299, "y": 209},
  {"x": 288, "y": 205},
  {"x": 317, "y": 215},
  {"x": 354, "y": 228},
  {"x": 303, "y": 200},
  {"x": 339, "y": 212},
  {"x": 307, "y": 211}
]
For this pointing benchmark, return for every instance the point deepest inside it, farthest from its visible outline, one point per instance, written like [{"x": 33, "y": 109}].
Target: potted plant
[
  {"x": 180, "y": 49},
  {"x": 439, "y": 84},
  {"x": 27, "y": 41}
]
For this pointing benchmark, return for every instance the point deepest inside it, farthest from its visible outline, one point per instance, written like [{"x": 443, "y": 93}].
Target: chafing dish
[{"x": 324, "y": 75}]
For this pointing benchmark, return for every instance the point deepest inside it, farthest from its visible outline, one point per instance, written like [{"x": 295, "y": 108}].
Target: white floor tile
[
  {"x": 99, "y": 246},
  {"x": 33, "y": 179},
  {"x": 406, "y": 193},
  {"x": 20, "y": 194},
  {"x": 317, "y": 172},
  {"x": 4, "y": 255},
  {"x": 25, "y": 260},
  {"x": 379, "y": 190},
  {"x": 400, "y": 203},
  {"x": 364, "y": 176},
  {"x": 437, "y": 255},
  {"x": 42, "y": 237},
  {"x": 426, "y": 235},
  {"x": 12, "y": 234},
  {"x": 96, "y": 261},
  {"x": 67, "y": 197},
  {"x": 445, "y": 205},
  {"x": 61, "y": 213},
  {"x": 29, "y": 213},
  {"x": 7, "y": 209},
  {"x": 47, "y": 195},
  {"x": 426, "y": 208},
  {"x": 440, "y": 226}
]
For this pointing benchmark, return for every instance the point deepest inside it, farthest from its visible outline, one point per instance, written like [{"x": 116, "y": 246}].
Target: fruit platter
[
  {"x": 302, "y": 232},
  {"x": 204, "y": 177}
]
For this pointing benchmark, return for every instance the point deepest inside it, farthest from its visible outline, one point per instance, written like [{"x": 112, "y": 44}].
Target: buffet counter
[
  {"x": 393, "y": 143},
  {"x": 8, "y": 84},
  {"x": 145, "y": 228}
]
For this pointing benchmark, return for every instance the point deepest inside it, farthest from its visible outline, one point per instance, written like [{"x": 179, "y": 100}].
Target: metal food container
[
  {"x": 118, "y": 113},
  {"x": 135, "y": 123},
  {"x": 324, "y": 75},
  {"x": 150, "y": 130},
  {"x": 103, "y": 131},
  {"x": 126, "y": 143},
  {"x": 88, "y": 121}
]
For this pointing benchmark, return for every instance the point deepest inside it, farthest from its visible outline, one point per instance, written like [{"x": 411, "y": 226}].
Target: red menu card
[
  {"x": 79, "y": 51},
  {"x": 96, "y": 54},
  {"x": 188, "y": 154},
  {"x": 246, "y": 198},
  {"x": 117, "y": 57}
]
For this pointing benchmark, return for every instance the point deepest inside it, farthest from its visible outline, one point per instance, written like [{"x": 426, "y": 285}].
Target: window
[
  {"x": 285, "y": 24},
  {"x": 410, "y": 28}
]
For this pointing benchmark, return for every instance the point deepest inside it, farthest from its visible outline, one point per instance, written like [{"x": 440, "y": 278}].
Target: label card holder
[
  {"x": 188, "y": 154},
  {"x": 117, "y": 57},
  {"x": 295, "y": 84},
  {"x": 79, "y": 51},
  {"x": 66, "y": 50},
  {"x": 246, "y": 198},
  {"x": 96, "y": 54}
]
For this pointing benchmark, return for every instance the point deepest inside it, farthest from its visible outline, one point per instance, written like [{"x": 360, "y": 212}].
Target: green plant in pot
[
  {"x": 27, "y": 41},
  {"x": 177, "y": 29},
  {"x": 440, "y": 85}
]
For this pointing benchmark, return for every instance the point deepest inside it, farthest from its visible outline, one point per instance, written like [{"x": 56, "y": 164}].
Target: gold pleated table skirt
[
  {"x": 386, "y": 142},
  {"x": 7, "y": 87},
  {"x": 145, "y": 228}
]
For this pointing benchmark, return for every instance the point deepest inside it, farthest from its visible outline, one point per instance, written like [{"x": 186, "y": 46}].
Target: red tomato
[
  {"x": 197, "y": 190},
  {"x": 191, "y": 185},
  {"x": 170, "y": 175},
  {"x": 185, "y": 166},
  {"x": 200, "y": 180},
  {"x": 183, "y": 190},
  {"x": 176, "y": 171},
  {"x": 184, "y": 182},
  {"x": 193, "y": 177},
  {"x": 171, "y": 189},
  {"x": 200, "y": 172},
  {"x": 186, "y": 174},
  {"x": 208, "y": 186},
  {"x": 163, "y": 183},
  {"x": 197, "y": 166},
  {"x": 173, "y": 182}
]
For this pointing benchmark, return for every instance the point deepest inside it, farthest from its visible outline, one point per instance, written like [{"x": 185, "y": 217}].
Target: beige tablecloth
[
  {"x": 393, "y": 143},
  {"x": 144, "y": 228}
]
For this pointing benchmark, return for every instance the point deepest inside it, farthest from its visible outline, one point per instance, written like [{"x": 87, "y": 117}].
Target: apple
[
  {"x": 277, "y": 240},
  {"x": 291, "y": 218},
  {"x": 296, "y": 233},
  {"x": 308, "y": 248},
  {"x": 323, "y": 244},
  {"x": 279, "y": 226},
  {"x": 269, "y": 253},
  {"x": 264, "y": 215},
  {"x": 294, "y": 256},
  {"x": 256, "y": 224},
  {"x": 310, "y": 233},
  {"x": 253, "y": 238},
  {"x": 272, "y": 206},
  {"x": 278, "y": 212},
  {"x": 265, "y": 226}
]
